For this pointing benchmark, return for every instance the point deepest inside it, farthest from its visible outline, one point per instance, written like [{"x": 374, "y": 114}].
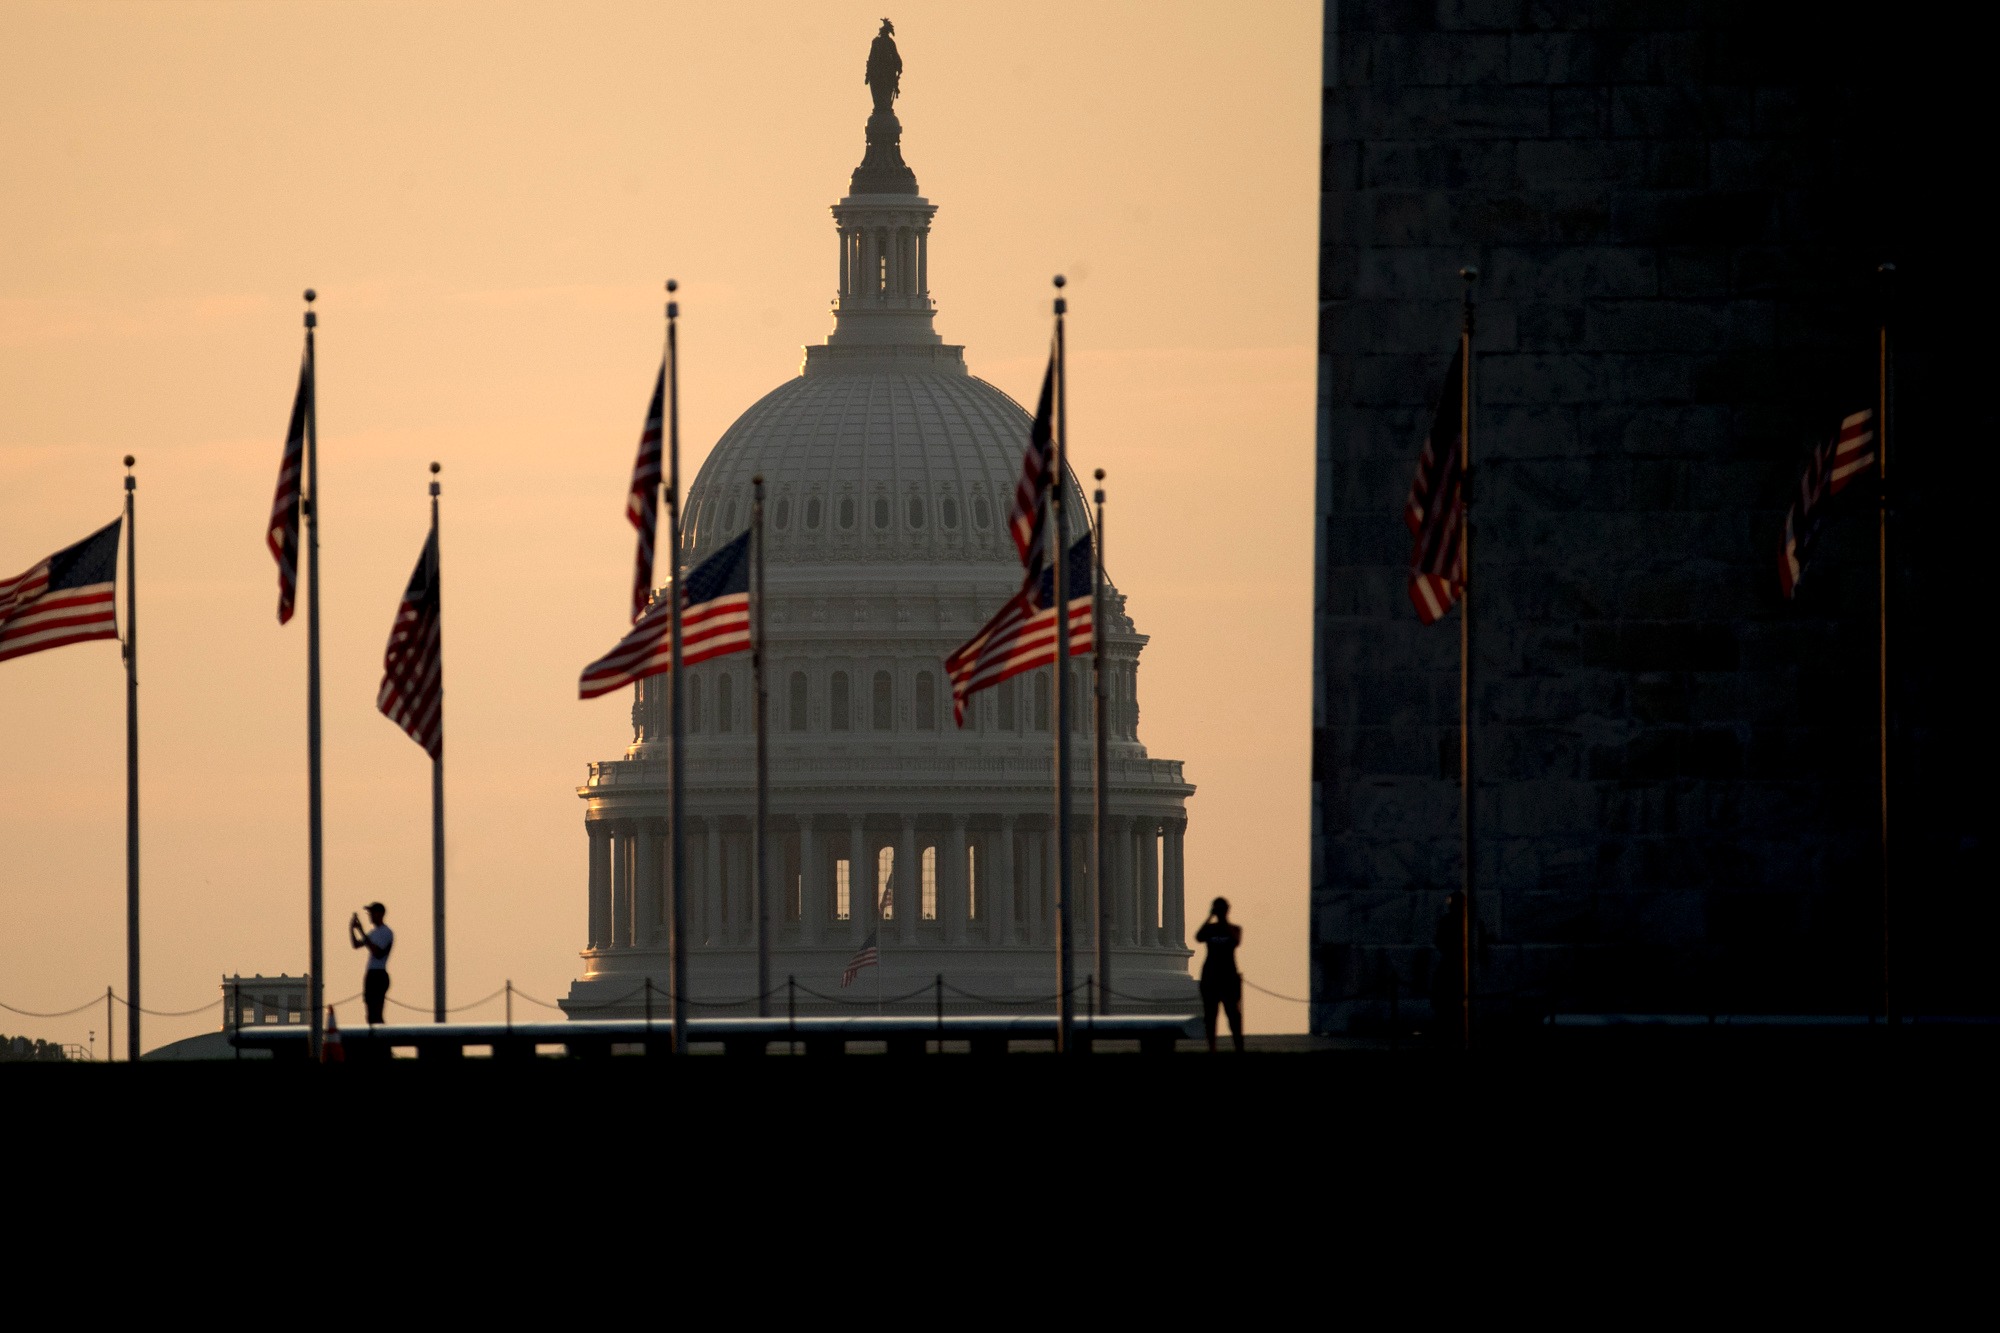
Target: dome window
[
  {"x": 982, "y": 513},
  {"x": 784, "y": 514},
  {"x": 916, "y": 511},
  {"x": 882, "y": 511},
  {"x": 847, "y": 512},
  {"x": 948, "y": 512},
  {"x": 812, "y": 513}
]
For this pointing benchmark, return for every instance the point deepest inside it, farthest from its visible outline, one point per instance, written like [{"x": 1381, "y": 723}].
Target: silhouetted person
[
  {"x": 1221, "y": 983},
  {"x": 1447, "y": 978},
  {"x": 377, "y": 940}
]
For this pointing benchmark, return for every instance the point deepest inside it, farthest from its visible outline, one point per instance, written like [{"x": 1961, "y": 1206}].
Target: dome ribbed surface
[{"x": 870, "y": 467}]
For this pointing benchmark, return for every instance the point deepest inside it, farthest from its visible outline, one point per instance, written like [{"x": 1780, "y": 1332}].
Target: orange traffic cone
[{"x": 331, "y": 1052}]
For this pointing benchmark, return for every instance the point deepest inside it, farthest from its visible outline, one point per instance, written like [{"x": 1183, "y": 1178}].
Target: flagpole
[
  {"x": 437, "y": 775},
  {"x": 132, "y": 1046},
  {"x": 1059, "y": 570},
  {"x": 676, "y": 855},
  {"x": 761, "y": 704},
  {"x": 315, "y": 906},
  {"x": 1101, "y": 765},
  {"x": 1465, "y": 692},
  {"x": 1887, "y": 276}
]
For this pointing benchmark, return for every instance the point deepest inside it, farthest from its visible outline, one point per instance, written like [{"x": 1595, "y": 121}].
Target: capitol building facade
[{"x": 888, "y": 472}]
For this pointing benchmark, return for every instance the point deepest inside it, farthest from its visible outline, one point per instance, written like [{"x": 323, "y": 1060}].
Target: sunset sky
[{"x": 487, "y": 198}]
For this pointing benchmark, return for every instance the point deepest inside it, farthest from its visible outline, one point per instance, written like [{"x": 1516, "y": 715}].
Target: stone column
[
  {"x": 646, "y": 883},
  {"x": 954, "y": 889},
  {"x": 813, "y": 908},
  {"x": 1038, "y": 881},
  {"x": 1002, "y": 896},
  {"x": 621, "y": 885},
  {"x": 600, "y": 882},
  {"x": 909, "y": 882},
  {"x": 1149, "y": 881},
  {"x": 860, "y": 882},
  {"x": 923, "y": 261},
  {"x": 1174, "y": 889},
  {"x": 711, "y": 882}
]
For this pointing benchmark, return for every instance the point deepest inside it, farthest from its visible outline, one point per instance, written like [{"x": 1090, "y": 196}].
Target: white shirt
[{"x": 384, "y": 939}]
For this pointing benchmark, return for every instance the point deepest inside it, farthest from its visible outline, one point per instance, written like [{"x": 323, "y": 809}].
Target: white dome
[{"x": 871, "y": 466}]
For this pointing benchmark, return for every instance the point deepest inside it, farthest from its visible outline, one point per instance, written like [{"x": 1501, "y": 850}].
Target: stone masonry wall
[{"x": 1677, "y": 209}]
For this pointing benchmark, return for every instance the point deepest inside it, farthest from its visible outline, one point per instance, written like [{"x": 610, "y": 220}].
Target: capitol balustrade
[{"x": 847, "y": 767}]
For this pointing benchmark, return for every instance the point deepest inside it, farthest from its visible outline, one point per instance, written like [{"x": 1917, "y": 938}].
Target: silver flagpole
[
  {"x": 132, "y": 1046},
  {"x": 760, "y": 702},
  {"x": 1100, "y": 882},
  {"x": 437, "y": 775},
  {"x": 1059, "y": 585},
  {"x": 315, "y": 906},
  {"x": 676, "y": 856}
]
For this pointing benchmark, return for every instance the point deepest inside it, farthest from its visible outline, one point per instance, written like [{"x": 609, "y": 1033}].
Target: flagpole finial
[
  {"x": 129, "y": 460},
  {"x": 130, "y": 484},
  {"x": 435, "y": 469},
  {"x": 311, "y": 296},
  {"x": 1062, "y": 306},
  {"x": 673, "y": 307},
  {"x": 312, "y": 317}
]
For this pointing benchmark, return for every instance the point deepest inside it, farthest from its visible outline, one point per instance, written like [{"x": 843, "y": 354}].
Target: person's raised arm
[{"x": 355, "y": 937}]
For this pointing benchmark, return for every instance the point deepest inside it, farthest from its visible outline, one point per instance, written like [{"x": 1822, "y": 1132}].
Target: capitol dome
[{"x": 888, "y": 471}]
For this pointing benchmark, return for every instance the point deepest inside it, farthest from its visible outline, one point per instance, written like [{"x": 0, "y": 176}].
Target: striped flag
[
  {"x": 715, "y": 621},
  {"x": 283, "y": 534},
  {"x": 1028, "y": 520},
  {"x": 68, "y": 598},
  {"x": 1435, "y": 511},
  {"x": 412, "y": 693},
  {"x": 1832, "y": 466},
  {"x": 642, "y": 503},
  {"x": 1022, "y": 634},
  {"x": 869, "y": 955}
]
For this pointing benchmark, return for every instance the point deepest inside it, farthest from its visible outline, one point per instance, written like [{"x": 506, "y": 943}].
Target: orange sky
[{"x": 487, "y": 198}]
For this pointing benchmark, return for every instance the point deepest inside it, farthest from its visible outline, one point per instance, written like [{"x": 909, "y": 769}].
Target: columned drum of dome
[{"x": 888, "y": 469}]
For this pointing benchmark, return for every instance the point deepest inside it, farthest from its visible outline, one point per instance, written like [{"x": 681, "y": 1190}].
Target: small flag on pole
[
  {"x": 412, "y": 693},
  {"x": 1022, "y": 634},
  {"x": 1435, "y": 511},
  {"x": 68, "y": 598},
  {"x": 1832, "y": 466},
  {"x": 715, "y": 621},
  {"x": 642, "y": 504},
  {"x": 1028, "y": 520},
  {"x": 283, "y": 535},
  {"x": 869, "y": 955}
]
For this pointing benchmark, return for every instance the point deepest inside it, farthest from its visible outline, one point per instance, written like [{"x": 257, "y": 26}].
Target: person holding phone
[
  {"x": 378, "y": 939},
  {"x": 1221, "y": 983}
]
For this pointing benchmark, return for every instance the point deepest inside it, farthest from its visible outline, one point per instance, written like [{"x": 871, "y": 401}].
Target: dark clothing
[
  {"x": 1221, "y": 939},
  {"x": 374, "y": 991},
  {"x": 1228, "y": 997},
  {"x": 1221, "y": 983}
]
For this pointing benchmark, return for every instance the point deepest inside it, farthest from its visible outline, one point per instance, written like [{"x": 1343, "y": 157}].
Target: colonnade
[
  {"x": 953, "y": 880},
  {"x": 867, "y": 278}
]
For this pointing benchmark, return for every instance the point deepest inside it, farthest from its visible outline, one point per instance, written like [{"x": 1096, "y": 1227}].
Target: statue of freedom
[{"x": 885, "y": 68}]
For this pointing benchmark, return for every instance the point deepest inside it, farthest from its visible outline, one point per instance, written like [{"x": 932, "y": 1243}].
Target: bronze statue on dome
[{"x": 885, "y": 68}]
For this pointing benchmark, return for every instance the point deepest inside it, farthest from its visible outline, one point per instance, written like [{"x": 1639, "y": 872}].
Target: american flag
[
  {"x": 1435, "y": 511},
  {"x": 283, "y": 536},
  {"x": 68, "y": 598},
  {"x": 715, "y": 621},
  {"x": 412, "y": 693},
  {"x": 1022, "y": 634},
  {"x": 1840, "y": 460},
  {"x": 867, "y": 956},
  {"x": 642, "y": 504},
  {"x": 1028, "y": 520}
]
